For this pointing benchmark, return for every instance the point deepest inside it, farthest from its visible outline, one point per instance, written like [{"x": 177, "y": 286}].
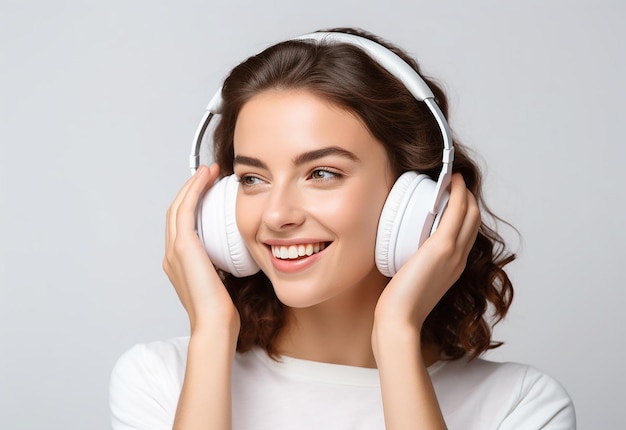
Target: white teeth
[{"x": 295, "y": 251}]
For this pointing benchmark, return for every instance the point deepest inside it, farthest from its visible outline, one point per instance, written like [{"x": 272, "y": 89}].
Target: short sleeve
[
  {"x": 144, "y": 388},
  {"x": 542, "y": 404}
]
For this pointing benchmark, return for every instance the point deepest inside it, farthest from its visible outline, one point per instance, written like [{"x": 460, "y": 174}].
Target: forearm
[
  {"x": 409, "y": 400},
  {"x": 205, "y": 399}
]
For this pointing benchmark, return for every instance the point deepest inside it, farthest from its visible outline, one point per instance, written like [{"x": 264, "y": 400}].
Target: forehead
[{"x": 294, "y": 120}]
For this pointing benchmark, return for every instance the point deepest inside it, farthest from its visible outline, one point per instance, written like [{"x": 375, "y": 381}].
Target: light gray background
[{"x": 98, "y": 105}]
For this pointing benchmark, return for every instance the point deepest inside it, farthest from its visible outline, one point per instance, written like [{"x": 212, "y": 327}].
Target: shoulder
[
  {"x": 503, "y": 395},
  {"x": 145, "y": 384}
]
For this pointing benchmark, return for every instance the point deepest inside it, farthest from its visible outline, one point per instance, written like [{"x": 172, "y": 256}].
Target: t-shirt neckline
[{"x": 315, "y": 371}]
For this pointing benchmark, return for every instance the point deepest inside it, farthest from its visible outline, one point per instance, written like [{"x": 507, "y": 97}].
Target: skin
[
  {"x": 341, "y": 309},
  {"x": 336, "y": 199}
]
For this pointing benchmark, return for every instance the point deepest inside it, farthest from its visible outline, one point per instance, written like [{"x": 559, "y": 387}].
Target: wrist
[
  {"x": 224, "y": 327},
  {"x": 395, "y": 337}
]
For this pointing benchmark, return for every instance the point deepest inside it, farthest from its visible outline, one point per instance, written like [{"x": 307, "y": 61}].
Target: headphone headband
[{"x": 390, "y": 62}]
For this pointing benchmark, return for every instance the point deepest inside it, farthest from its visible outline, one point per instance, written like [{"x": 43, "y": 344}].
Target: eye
[
  {"x": 324, "y": 175},
  {"x": 249, "y": 180}
]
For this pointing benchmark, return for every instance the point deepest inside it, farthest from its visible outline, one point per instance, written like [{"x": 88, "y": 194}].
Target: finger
[
  {"x": 181, "y": 193},
  {"x": 471, "y": 225},
  {"x": 198, "y": 181},
  {"x": 454, "y": 215},
  {"x": 170, "y": 222},
  {"x": 186, "y": 210}
]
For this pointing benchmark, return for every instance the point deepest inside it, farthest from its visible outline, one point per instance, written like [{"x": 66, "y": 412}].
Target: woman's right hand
[{"x": 187, "y": 264}]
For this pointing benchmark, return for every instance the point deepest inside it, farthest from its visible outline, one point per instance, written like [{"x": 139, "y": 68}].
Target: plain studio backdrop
[{"x": 98, "y": 105}]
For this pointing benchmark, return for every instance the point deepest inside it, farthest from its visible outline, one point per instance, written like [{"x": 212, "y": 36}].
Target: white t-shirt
[{"x": 299, "y": 394}]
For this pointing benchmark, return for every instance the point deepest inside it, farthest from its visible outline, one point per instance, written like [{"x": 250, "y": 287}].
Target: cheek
[{"x": 355, "y": 213}]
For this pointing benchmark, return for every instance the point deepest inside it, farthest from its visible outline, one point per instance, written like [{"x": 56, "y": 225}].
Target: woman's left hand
[
  {"x": 409, "y": 399},
  {"x": 419, "y": 285}
]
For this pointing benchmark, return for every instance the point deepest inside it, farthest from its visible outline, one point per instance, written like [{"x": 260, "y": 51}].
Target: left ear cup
[
  {"x": 406, "y": 221},
  {"x": 216, "y": 225}
]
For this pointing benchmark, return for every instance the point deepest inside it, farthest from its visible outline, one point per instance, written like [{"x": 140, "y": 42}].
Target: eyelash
[
  {"x": 243, "y": 180},
  {"x": 324, "y": 170},
  {"x": 252, "y": 180}
]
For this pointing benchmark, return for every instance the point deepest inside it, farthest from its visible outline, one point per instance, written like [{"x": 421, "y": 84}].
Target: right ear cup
[
  {"x": 216, "y": 225},
  {"x": 406, "y": 221}
]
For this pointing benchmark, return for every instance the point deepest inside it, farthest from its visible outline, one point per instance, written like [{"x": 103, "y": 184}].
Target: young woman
[{"x": 317, "y": 132}]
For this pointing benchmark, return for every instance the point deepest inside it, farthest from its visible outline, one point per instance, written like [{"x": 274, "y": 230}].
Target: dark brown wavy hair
[{"x": 460, "y": 325}]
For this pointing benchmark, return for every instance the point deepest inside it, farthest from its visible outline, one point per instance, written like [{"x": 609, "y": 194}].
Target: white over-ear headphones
[{"x": 411, "y": 212}]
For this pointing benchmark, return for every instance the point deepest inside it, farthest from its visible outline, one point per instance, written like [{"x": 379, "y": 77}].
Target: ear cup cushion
[
  {"x": 387, "y": 223},
  {"x": 405, "y": 221},
  {"x": 217, "y": 229}
]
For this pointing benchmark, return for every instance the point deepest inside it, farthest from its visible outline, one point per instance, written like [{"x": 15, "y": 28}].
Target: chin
[{"x": 303, "y": 293}]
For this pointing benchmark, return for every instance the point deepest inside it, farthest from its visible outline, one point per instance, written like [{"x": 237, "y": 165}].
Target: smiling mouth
[{"x": 294, "y": 252}]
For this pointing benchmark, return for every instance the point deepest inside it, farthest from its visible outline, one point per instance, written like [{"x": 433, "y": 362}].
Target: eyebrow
[
  {"x": 249, "y": 161},
  {"x": 305, "y": 157}
]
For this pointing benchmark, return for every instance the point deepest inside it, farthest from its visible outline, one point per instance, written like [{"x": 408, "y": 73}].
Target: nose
[{"x": 283, "y": 210}]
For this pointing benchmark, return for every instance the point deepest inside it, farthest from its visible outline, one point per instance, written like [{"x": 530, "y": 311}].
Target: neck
[
  {"x": 338, "y": 331},
  {"x": 330, "y": 337}
]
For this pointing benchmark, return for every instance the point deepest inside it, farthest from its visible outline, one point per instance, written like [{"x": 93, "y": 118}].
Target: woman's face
[{"x": 313, "y": 182}]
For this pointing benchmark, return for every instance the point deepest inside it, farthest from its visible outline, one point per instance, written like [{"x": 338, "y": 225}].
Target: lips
[{"x": 294, "y": 252}]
